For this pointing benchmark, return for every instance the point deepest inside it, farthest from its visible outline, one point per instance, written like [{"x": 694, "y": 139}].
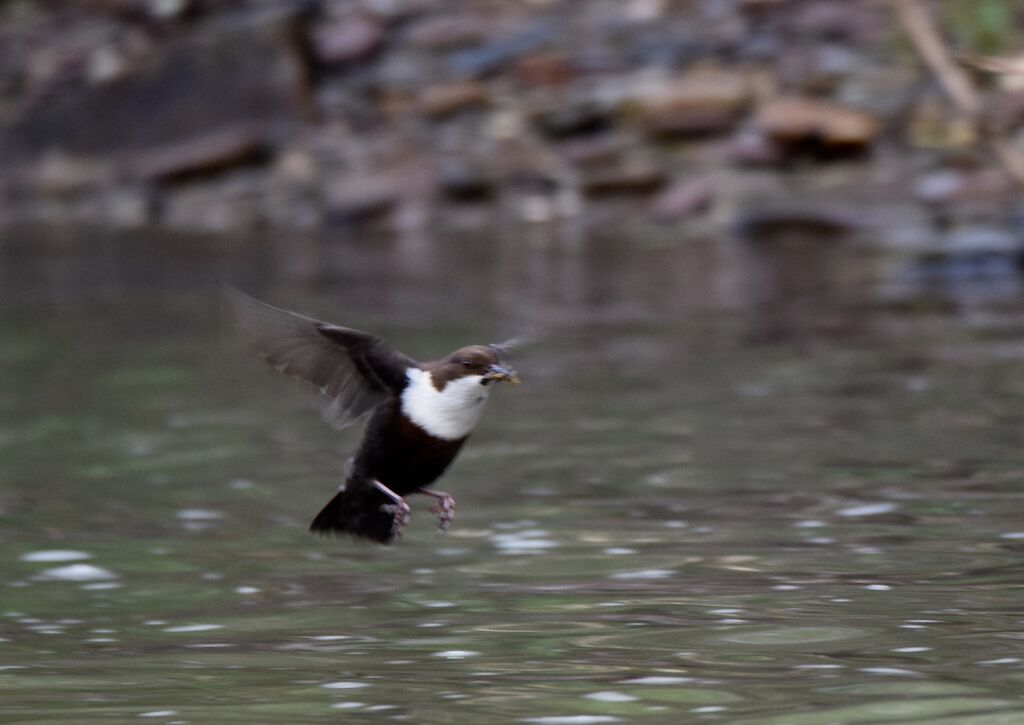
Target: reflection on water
[{"x": 666, "y": 524}]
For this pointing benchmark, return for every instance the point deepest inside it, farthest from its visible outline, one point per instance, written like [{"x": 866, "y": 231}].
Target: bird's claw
[
  {"x": 400, "y": 515},
  {"x": 445, "y": 510}
]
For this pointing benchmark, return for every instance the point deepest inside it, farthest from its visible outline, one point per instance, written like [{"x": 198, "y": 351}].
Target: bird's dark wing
[{"x": 355, "y": 371}]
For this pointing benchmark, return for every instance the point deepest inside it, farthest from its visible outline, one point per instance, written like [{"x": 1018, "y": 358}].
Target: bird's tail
[{"x": 356, "y": 510}]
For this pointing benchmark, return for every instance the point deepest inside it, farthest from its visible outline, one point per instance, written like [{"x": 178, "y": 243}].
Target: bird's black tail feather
[{"x": 356, "y": 510}]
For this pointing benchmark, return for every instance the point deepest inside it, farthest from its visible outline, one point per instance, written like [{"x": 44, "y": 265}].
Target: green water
[{"x": 665, "y": 523}]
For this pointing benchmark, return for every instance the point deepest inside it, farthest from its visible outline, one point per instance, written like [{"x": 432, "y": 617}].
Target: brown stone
[
  {"x": 702, "y": 102},
  {"x": 597, "y": 150},
  {"x": 631, "y": 176},
  {"x": 795, "y": 120},
  {"x": 201, "y": 154},
  {"x": 682, "y": 199},
  {"x": 544, "y": 69},
  {"x": 448, "y": 32},
  {"x": 440, "y": 101}
]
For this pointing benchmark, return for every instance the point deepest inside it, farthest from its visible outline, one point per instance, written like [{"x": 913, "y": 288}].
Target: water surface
[{"x": 688, "y": 512}]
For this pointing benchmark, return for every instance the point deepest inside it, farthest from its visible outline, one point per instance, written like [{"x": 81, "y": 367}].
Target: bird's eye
[{"x": 467, "y": 363}]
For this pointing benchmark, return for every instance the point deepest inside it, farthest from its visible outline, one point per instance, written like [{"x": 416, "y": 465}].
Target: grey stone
[
  {"x": 347, "y": 39},
  {"x": 206, "y": 100}
]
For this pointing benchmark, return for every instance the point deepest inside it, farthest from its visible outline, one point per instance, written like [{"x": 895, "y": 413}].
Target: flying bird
[{"x": 418, "y": 414}]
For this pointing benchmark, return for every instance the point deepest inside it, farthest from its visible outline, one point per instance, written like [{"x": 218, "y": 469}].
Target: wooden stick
[
  {"x": 932, "y": 49},
  {"x": 954, "y": 80}
]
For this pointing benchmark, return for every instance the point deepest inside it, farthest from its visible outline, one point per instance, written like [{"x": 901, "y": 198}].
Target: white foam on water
[
  {"x": 193, "y": 628},
  {"x": 897, "y": 671},
  {"x": 456, "y": 654},
  {"x": 78, "y": 573},
  {"x": 199, "y": 515},
  {"x": 643, "y": 574},
  {"x": 55, "y": 555},
  {"x": 572, "y": 719},
  {"x": 610, "y": 696},
  {"x": 867, "y": 509},
  {"x": 658, "y": 680}
]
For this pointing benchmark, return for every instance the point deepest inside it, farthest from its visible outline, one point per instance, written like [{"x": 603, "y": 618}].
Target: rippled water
[{"x": 676, "y": 518}]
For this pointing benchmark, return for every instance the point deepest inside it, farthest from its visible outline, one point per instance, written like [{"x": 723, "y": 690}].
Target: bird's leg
[
  {"x": 444, "y": 508},
  {"x": 399, "y": 509}
]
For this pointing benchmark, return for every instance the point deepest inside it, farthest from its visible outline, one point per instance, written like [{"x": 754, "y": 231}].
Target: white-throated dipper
[{"x": 419, "y": 414}]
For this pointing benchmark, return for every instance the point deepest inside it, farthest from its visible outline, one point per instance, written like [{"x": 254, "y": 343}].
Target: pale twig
[
  {"x": 932, "y": 49},
  {"x": 921, "y": 30}
]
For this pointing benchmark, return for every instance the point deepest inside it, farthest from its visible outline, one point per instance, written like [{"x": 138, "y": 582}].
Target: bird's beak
[{"x": 498, "y": 373}]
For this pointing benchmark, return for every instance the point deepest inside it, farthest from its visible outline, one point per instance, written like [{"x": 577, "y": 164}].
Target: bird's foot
[
  {"x": 400, "y": 515},
  {"x": 398, "y": 508},
  {"x": 444, "y": 508}
]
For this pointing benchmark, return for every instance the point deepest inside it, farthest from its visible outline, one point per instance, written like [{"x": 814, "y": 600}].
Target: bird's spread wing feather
[{"x": 355, "y": 371}]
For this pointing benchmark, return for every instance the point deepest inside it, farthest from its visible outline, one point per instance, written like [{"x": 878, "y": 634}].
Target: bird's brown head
[{"x": 485, "y": 361}]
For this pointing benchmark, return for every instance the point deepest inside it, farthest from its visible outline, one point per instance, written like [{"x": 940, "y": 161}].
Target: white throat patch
[{"x": 451, "y": 413}]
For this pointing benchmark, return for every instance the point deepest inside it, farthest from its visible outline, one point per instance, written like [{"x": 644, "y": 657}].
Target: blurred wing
[
  {"x": 512, "y": 345},
  {"x": 355, "y": 371}
]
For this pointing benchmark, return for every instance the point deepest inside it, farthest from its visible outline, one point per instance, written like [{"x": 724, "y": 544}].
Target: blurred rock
[
  {"x": 1007, "y": 112},
  {"x": 939, "y": 186},
  {"x": 818, "y": 69},
  {"x": 572, "y": 120},
  {"x": 935, "y": 125},
  {"x": 544, "y": 69},
  {"x": 441, "y": 101},
  {"x": 295, "y": 167},
  {"x": 196, "y": 105},
  {"x": 292, "y": 198},
  {"x": 980, "y": 239},
  {"x": 491, "y": 57},
  {"x": 232, "y": 203},
  {"x": 106, "y": 63},
  {"x": 201, "y": 154},
  {"x": 361, "y": 196},
  {"x": 974, "y": 252},
  {"x": 841, "y": 20},
  {"x": 699, "y": 103},
  {"x": 759, "y": 9},
  {"x": 682, "y": 199},
  {"x": 57, "y": 174},
  {"x": 632, "y": 175},
  {"x": 956, "y": 195},
  {"x": 462, "y": 181},
  {"x": 132, "y": 112},
  {"x": 819, "y": 125},
  {"x": 347, "y": 39},
  {"x": 130, "y": 206},
  {"x": 751, "y": 147},
  {"x": 769, "y": 222},
  {"x": 170, "y": 9},
  {"x": 643, "y": 11},
  {"x": 448, "y": 32},
  {"x": 597, "y": 150}
]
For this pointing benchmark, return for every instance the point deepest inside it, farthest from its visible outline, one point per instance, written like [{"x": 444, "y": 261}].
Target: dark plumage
[{"x": 420, "y": 414}]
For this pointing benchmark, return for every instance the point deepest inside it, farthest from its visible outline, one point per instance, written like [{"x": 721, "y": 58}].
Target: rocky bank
[{"x": 720, "y": 116}]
